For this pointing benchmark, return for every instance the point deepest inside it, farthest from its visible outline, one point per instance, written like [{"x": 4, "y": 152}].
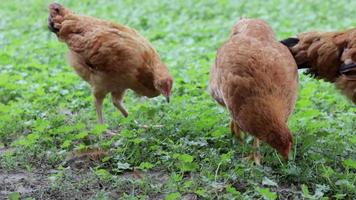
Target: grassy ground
[{"x": 181, "y": 150}]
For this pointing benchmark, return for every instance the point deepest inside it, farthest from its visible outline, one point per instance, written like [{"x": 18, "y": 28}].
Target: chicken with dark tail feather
[{"x": 330, "y": 56}]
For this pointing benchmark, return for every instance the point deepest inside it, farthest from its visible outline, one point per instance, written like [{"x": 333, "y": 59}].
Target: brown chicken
[
  {"x": 256, "y": 78},
  {"x": 110, "y": 57},
  {"x": 328, "y": 55}
]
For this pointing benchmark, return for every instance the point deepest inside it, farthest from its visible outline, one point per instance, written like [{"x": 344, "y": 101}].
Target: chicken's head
[
  {"x": 282, "y": 142},
  {"x": 56, "y": 14},
  {"x": 257, "y": 28},
  {"x": 285, "y": 149},
  {"x": 164, "y": 85}
]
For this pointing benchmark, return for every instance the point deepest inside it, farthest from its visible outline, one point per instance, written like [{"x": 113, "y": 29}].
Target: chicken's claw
[
  {"x": 255, "y": 157},
  {"x": 235, "y": 129}
]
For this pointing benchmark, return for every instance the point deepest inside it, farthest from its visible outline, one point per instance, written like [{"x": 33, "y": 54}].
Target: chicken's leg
[
  {"x": 256, "y": 151},
  {"x": 235, "y": 129},
  {"x": 117, "y": 101},
  {"x": 99, "y": 99},
  {"x": 255, "y": 156}
]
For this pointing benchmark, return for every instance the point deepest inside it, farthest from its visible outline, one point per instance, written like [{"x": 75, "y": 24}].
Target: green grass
[{"x": 46, "y": 110}]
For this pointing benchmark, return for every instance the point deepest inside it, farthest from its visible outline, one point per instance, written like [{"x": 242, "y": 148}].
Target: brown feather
[
  {"x": 111, "y": 57},
  {"x": 256, "y": 78},
  {"x": 325, "y": 53}
]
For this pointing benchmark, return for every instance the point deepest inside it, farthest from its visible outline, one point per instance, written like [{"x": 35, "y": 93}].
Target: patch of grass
[{"x": 46, "y": 111}]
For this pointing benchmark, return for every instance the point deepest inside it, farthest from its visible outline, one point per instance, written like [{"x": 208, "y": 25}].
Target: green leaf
[
  {"x": 327, "y": 171},
  {"x": 103, "y": 174},
  {"x": 5, "y": 58},
  {"x": 33, "y": 137},
  {"x": 201, "y": 192},
  {"x": 81, "y": 135},
  {"x": 267, "y": 194},
  {"x": 350, "y": 163},
  {"x": 105, "y": 159},
  {"x": 66, "y": 144},
  {"x": 14, "y": 196},
  {"x": 188, "y": 184},
  {"x": 219, "y": 132},
  {"x": 173, "y": 196},
  {"x": 176, "y": 177},
  {"x": 80, "y": 126},
  {"x": 353, "y": 139},
  {"x": 126, "y": 133},
  {"x": 99, "y": 129},
  {"x": 187, "y": 167},
  {"x": 311, "y": 113},
  {"x": 233, "y": 191},
  {"x": 184, "y": 158},
  {"x": 305, "y": 191},
  {"x": 137, "y": 141},
  {"x": 146, "y": 165},
  {"x": 41, "y": 125},
  {"x": 151, "y": 112}
]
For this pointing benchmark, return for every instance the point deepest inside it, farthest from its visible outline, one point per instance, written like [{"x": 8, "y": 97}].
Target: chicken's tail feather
[
  {"x": 291, "y": 42},
  {"x": 345, "y": 68},
  {"x": 304, "y": 66}
]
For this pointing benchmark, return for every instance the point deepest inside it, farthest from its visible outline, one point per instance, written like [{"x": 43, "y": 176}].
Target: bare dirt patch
[{"x": 26, "y": 183}]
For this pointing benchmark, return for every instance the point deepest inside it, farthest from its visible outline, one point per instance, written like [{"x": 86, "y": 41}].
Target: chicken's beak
[
  {"x": 166, "y": 95},
  {"x": 167, "y": 99}
]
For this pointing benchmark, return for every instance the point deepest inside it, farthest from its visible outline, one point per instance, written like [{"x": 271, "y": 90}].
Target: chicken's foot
[
  {"x": 235, "y": 129},
  {"x": 255, "y": 155},
  {"x": 117, "y": 98}
]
